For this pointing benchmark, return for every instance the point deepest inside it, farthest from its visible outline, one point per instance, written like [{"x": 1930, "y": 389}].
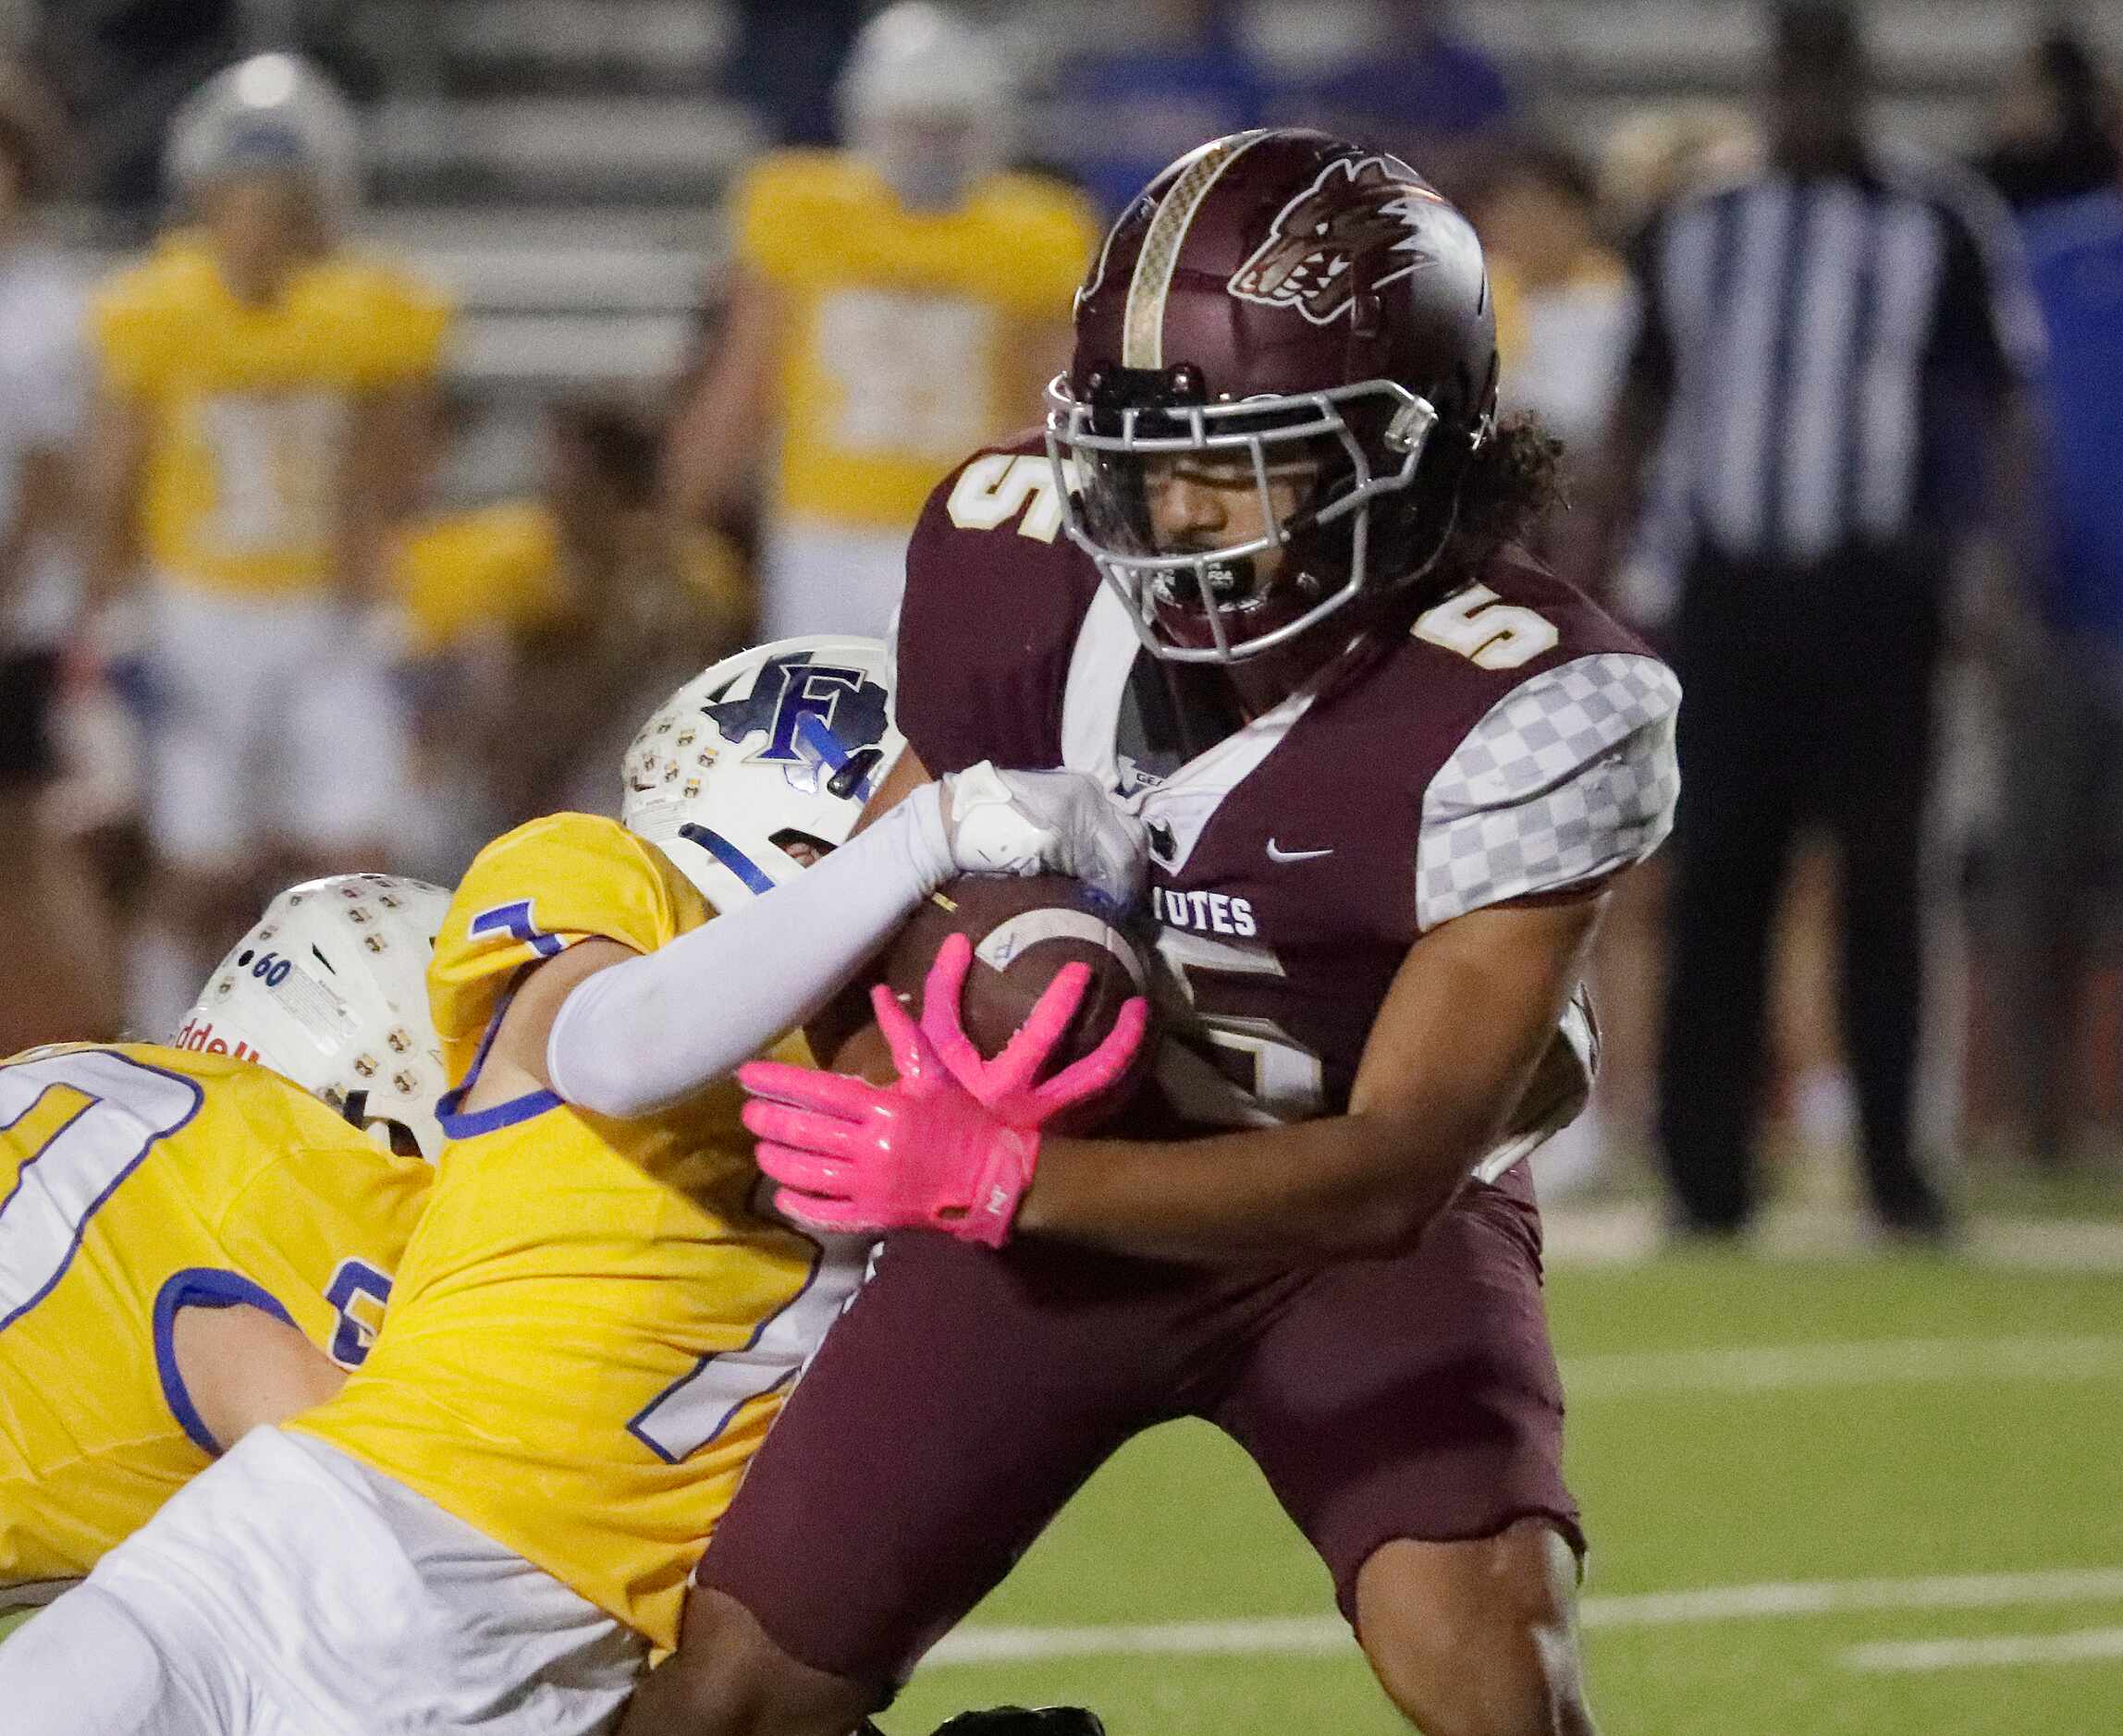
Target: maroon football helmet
[{"x": 1287, "y": 310}]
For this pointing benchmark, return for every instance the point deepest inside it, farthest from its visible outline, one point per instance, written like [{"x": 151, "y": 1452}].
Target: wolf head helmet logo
[{"x": 1355, "y": 229}]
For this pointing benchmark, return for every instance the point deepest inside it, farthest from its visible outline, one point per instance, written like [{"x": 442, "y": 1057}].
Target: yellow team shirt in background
[
  {"x": 502, "y": 567},
  {"x": 593, "y": 1325},
  {"x": 248, "y": 405},
  {"x": 901, "y": 327},
  {"x": 495, "y": 568},
  {"x": 135, "y": 1180}
]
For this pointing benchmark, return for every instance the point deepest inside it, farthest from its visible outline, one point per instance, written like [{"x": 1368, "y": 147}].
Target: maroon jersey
[{"x": 1515, "y": 743}]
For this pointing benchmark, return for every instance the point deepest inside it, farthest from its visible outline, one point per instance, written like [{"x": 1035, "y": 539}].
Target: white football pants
[{"x": 289, "y": 1591}]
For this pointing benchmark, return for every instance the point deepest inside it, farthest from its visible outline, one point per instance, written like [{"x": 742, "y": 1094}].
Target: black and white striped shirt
[{"x": 1830, "y": 349}]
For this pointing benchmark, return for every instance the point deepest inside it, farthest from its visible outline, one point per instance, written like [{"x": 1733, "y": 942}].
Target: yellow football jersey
[
  {"x": 248, "y": 405},
  {"x": 901, "y": 327},
  {"x": 136, "y": 1180},
  {"x": 593, "y": 1325}
]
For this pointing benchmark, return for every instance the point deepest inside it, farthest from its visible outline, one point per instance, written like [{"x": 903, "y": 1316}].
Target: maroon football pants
[{"x": 967, "y": 1394}]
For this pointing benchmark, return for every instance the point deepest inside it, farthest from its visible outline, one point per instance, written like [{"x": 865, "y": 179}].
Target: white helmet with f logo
[{"x": 758, "y": 766}]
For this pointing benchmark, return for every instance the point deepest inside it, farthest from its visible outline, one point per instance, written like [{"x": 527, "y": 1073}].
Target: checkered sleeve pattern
[{"x": 1569, "y": 776}]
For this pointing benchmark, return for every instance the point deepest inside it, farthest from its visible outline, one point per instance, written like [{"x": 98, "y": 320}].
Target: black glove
[{"x": 1014, "y": 1720}]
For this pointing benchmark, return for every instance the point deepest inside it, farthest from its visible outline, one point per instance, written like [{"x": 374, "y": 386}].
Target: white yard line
[
  {"x": 1284, "y": 1636},
  {"x": 1864, "y": 1362},
  {"x": 1989, "y": 1651},
  {"x": 1326, "y": 1635},
  {"x": 1842, "y": 1597},
  {"x": 1630, "y": 1231}
]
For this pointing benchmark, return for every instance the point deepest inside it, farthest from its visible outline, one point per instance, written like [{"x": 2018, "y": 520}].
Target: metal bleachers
[{"x": 559, "y": 164}]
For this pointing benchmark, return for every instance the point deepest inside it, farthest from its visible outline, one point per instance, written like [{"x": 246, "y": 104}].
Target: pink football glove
[
  {"x": 1005, "y": 1084},
  {"x": 927, "y": 1151}
]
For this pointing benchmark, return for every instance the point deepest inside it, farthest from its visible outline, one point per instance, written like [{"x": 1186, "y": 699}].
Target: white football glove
[{"x": 1029, "y": 823}]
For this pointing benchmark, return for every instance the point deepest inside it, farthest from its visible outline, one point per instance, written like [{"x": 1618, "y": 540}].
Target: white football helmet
[
  {"x": 330, "y": 990},
  {"x": 270, "y": 112},
  {"x": 779, "y": 745},
  {"x": 926, "y": 97}
]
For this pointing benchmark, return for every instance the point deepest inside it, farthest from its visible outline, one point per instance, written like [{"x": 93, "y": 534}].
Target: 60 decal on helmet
[
  {"x": 330, "y": 990},
  {"x": 1284, "y": 312}
]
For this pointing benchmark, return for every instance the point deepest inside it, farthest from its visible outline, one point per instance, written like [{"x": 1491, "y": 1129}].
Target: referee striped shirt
[{"x": 1831, "y": 350}]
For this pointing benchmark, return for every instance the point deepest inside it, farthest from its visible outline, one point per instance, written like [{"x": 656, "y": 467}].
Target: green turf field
[
  {"x": 1866, "y": 1455},
  {"x": 1937, "y": 1442}
]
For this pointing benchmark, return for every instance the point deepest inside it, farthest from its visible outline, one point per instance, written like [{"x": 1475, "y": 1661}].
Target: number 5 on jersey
[
  {"x": 993, "y": 490},
  {"x": 1486, "y": 630}
]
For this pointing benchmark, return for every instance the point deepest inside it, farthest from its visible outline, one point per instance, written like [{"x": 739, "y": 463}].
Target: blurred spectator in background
[
  {"x": 1403, "y": 79},
  {"x": 123, "y": 67},
  {"x": 2055, "y": 128},
  {"x": 897, "y": 303},
  {"x": 1825, "y": 343},
  {"x": 544, "y": 629},
  {"x": 263, "y": 393},
  {"x": 1566, "y": 305},
  {"x": 1186, "y": 74},
  {"x": 787, "y": 60},
  {"x": 2056, "y": 159},
  {"x": 1650, "y": 157},
  {"x": 56, "y": 974},
  {"x": 1389, "y": 72},
  {"x": 1655, "y": 155}
]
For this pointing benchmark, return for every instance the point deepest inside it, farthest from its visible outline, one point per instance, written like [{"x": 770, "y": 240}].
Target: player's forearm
[
  {"x": 112, "y": 560},
  {"x": 710, "y": 458},
  {"x": 641, "y": 1035},
  {"x": 1343, "y": 1186},
  {"x": 115, "y": 474},
  {"x": 44, "y": 498},
  {"x": 1458, "y": 1040},
  {"x": 14, "y": 559},
  {"x": 357, "y": 550},
  {"x": 382, "y": 470}
]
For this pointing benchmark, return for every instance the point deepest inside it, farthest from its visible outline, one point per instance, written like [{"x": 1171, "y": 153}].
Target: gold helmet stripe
[{"x": 1142, "y": 332}]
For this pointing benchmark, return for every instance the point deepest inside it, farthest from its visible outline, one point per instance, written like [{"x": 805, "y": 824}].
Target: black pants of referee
[{"x": 1808, "y": 699}]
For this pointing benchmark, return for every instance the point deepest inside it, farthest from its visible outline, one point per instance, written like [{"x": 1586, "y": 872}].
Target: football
[
  {"x": 865, "y": 1055},
  {"x": 1023, "y": 930}
]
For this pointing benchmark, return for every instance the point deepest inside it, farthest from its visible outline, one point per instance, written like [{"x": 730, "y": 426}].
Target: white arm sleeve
[
  {"x": 640, "y": 1035},
  {"x": 1568, "y": 779}
]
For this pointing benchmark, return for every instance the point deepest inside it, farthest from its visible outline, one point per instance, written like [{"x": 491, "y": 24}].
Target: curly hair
[
  {"x": 1513, "y": 482},
  {"x": 1509, "y": 485}
]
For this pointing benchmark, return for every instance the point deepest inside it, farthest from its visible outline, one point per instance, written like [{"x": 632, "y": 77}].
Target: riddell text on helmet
[{"x": 198, "y": 1036}]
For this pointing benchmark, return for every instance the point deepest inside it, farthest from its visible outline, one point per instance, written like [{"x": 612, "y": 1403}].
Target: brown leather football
[{"x": 1024, "y": 931}]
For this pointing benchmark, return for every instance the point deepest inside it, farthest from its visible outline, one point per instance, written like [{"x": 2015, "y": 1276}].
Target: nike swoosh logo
[{"x": 1277, "y": 854}]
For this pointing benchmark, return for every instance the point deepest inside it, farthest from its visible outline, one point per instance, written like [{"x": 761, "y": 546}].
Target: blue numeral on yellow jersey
[
  {"x": 694, "y": 1410},
  {"x": 359, "y": 1292},
  {"x": 515, "y": 920}
]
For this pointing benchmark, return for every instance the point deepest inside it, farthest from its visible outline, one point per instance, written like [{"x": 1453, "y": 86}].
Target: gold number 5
[{"x": 1489, "y": 632}]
